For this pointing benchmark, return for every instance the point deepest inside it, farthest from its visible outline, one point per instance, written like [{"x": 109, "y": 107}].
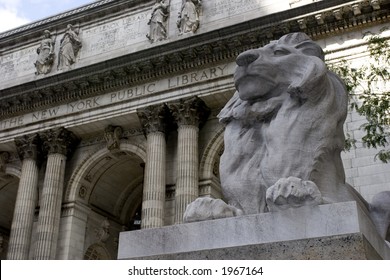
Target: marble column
[
  {"x": 58, "y": 143},
  {"x": 189, "y": 114},
  {"x": 26, "y": 198},
  {"x": 155, "y": 123}
]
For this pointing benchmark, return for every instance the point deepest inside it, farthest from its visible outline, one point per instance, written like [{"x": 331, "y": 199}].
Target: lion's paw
[
  {"x": 292, "y": 192},
  {"x": 205, "y": 208}
]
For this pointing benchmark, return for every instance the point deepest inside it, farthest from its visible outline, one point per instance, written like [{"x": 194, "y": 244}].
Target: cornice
[{"x": 196, "y": 51}]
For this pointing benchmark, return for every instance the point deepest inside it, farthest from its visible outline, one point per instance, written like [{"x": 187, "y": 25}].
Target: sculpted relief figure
[
  {"x": 69, "y": 48},
  {"x": 112, "y": 135},
  {"x": 189, "y": 16},
  {"x": 284, "y": 134},
  {"x": 45, "y": 53},
  {"x": 158, "y": 22}
]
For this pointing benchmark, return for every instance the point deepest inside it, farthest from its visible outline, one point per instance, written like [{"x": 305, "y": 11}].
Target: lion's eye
[{"x": 280, "y": 52}]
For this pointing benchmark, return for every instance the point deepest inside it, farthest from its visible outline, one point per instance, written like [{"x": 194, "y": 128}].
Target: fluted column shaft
[
  {"x": 154, "y": 120},
  {"x": 58, "y": 144},
  {"x": 153, "y": 201},
  {"x": 189, "y": 114},
  {"x": 187, "y": 169},
  {"x": 26, "y": 199},
  {"x": 50, "y": 209}
]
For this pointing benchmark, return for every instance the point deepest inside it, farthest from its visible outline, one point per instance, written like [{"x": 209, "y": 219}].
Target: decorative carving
[
  {"x": 375, "y": 4},
  {"x": 154, "y": 118},
  {"x": 158, "y": 21},
  {"x": 112, "y": 135},
  {"x": 59, "y": 141},
  {"x": 191, "y": 111},
  {"x": 208, "y": 51},
  {"x": 4, "y": 157},
  {"x": 103, "y": 233},
  {"x": 188, "y": 21},
  {"x": 45, "y": 52},
  {"x": 28, "y": 146},
  {"x": 69, "y": 48},
  {"x": 83, "y": 191}
]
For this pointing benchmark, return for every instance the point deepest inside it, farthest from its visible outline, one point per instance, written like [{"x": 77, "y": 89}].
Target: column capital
[
  {"x": 155, "y": 118},
  {"x": 27, "y": 146},
  {"x": 59, "y": 141},
  {"x": 191, "y": 111}
]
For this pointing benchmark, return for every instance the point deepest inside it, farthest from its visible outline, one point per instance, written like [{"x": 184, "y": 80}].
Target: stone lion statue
[{"x": 284, "y": 133}]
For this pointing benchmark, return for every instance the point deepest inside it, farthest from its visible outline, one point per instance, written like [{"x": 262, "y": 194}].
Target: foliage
[{"x": 369, "y": 91}]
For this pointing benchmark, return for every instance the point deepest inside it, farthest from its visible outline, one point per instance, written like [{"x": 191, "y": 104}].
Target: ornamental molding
[
  {"x": 29, "y": 147},
  {"x": 197, "y": 51},
  {"x": 59, "y": 141}
]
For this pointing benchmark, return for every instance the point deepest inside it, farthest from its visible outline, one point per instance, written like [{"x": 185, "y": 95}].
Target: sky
[{"x": 14, "y": 13}]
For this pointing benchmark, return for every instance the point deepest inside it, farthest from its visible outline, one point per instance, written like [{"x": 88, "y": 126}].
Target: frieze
[{"x": 119, "y": 96}]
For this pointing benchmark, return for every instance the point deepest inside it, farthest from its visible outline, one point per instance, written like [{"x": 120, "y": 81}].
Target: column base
[{"x": 331, "y": 231}]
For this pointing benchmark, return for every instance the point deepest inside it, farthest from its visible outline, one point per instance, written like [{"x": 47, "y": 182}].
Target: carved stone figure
[
  {"x": 69, "y": 48},
  {"x": 103, "y": 232},
  {"x": 284, "y": 133},
  {"x": 158, "y": 22},
  {"x": 45, "y": 53},
  {"x": 112, "y": 135},
  {"x": 189, "y": 16}
]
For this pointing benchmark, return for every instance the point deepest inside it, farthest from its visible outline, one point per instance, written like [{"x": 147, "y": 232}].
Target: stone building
[{"x": 108, "y": 112}]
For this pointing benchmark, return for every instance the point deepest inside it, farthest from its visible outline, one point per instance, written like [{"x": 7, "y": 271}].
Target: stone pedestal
[{"x": 331, "y": 231}]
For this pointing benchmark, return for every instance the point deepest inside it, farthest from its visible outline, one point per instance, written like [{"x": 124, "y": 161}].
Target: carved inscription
[
  {"x": 119, "y": 96},
  {"x": 115, "y": 34},
  {"x": 17, "y": 62},
  {"x": 230, "y": 8}
]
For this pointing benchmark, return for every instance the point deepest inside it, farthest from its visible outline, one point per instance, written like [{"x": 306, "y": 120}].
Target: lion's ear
[
  {"x": 311, "y": 81},
  {"x": 227, "y": 113}
]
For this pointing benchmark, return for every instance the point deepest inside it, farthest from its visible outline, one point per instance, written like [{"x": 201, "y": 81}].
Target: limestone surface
[{"x": 284, "y": 133}]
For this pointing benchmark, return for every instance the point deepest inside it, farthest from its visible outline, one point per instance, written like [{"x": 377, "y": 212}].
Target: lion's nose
[{"x": 247, "y": 57}]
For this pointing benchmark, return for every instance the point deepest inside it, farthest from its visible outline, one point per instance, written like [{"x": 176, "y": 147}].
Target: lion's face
[{"x": 266, "y": 72}]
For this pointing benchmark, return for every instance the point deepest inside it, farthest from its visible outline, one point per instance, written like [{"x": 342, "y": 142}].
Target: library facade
[{"x": 108, "y": 118}]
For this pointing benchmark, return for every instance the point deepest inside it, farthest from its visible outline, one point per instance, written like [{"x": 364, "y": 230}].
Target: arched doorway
[
  {"x": 109, "y": 185},
  {"x": 9, "y": 182}
]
